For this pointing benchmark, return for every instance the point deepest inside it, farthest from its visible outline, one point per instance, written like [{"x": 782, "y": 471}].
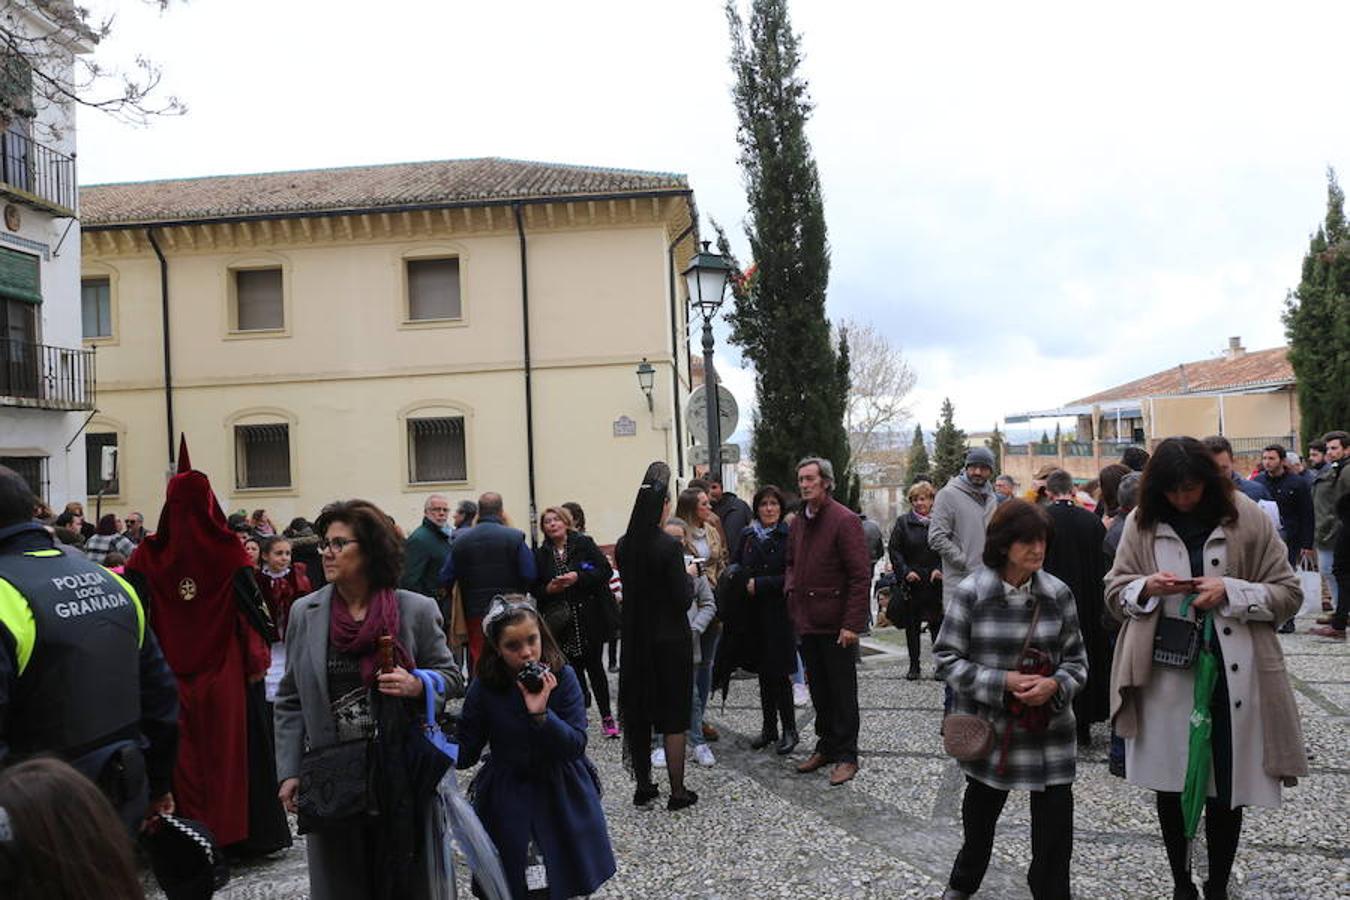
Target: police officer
[{"x": 81, "y": 675}]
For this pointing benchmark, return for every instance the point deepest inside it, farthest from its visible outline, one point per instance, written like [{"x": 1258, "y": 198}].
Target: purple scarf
[{"x": 346, "y": 635}]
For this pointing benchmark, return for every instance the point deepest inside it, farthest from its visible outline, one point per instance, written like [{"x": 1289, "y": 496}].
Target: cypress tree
[
  {"x": 1317, "y": 323},
  {"x": 949, "y": 447},
  {"x": 778, "y": 319},
  {"x": 995, "y": 444},
  {"x": 919, "y": 466}
]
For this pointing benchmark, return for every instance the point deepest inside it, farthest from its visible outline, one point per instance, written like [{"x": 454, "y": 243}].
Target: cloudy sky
[{"x": 1033, "y": 201}]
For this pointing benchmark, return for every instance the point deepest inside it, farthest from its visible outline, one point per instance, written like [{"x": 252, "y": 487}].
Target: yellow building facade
[{"x": 389, "y": 332}]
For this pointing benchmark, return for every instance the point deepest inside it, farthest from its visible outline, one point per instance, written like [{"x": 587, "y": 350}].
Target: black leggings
[{"x": 593, "y": 664}]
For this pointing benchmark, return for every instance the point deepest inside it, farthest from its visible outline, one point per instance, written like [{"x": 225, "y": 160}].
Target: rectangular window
[
  {"x": 96, "y": 306},
  {"x": 262, "y": 456},
  {"x": 258, "y": 300},
  {"x": 436, "y": 450},
  {"x": 433, "y": 289},
  {"x": 93, "y": 464},
  {"x": 32, "y": 469}
]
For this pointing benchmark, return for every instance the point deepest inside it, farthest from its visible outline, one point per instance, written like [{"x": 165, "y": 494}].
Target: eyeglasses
[
  {"x": 438, "y": 509},
  {"x": 336, "y": 544}
]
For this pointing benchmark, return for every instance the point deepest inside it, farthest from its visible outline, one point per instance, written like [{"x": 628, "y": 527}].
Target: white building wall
[{"x": 39, "y": 432}]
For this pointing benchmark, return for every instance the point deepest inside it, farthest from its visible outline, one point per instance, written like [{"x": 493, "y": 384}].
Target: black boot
[
  {"x": 912, "y": 635},
  {"x": 788, "y": 742},
  {"x": 766, "y": 737}
]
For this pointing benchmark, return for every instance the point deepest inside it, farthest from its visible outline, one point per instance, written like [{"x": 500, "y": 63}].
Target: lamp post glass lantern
[
  {"x": 646, "y": 376},
  {"x": 706, "y": 280}
]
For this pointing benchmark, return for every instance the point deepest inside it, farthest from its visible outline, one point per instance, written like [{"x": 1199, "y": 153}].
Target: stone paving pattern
[{"x": 761, "y": 830}]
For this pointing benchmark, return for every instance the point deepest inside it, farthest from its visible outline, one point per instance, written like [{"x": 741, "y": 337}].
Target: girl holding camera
[{"x": 537, "y": 794}]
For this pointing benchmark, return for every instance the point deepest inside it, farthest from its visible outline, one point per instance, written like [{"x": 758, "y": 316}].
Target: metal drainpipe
[
  {"x": 675, "y": 351},
  {"x": 529, "y": 385},
  {"x": 164, "y": 316}
]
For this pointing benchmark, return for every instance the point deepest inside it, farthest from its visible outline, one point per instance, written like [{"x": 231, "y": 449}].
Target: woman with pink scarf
[{"x": 349, "y": 688}]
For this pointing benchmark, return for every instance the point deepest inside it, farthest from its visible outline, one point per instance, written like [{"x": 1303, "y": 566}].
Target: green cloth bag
[{"x": 1200, "y": 747}]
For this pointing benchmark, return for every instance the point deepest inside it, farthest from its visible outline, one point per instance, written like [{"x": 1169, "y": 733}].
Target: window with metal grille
[
  {"x": 32, "y": 469},
  {"x": 436, "y": 450},
  {"x": 433, "y": 289},
  {"x": 262, "y": 456},
  {"x": 258, "y": 300},
  {"x": 93, "y": 464},
  {"x": 96, "y": 307}
]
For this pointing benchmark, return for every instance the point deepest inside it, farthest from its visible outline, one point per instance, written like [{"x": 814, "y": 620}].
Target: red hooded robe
[{"x": 190, "y": 564}]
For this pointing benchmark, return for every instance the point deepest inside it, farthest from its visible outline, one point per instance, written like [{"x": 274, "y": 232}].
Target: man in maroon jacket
[{"x": 828, "y": 578}]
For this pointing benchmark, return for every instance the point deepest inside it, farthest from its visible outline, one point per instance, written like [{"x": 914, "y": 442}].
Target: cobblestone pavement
[{"x": 761, "y": 830}]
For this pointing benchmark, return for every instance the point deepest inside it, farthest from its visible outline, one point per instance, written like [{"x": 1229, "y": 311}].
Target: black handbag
[
  {"x": 557, "y": 615},
  {"x": 336, "y": 786},
  {"x": 1176, "y": 643}
]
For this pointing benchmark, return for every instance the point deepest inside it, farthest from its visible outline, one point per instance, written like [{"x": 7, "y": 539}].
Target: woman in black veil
[{"x": 656, "y": 671}]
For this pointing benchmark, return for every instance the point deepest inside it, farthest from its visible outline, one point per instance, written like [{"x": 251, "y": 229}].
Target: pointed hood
[
  {"x": 190, "y": 563},
  {"x": 184, "y": 464}
]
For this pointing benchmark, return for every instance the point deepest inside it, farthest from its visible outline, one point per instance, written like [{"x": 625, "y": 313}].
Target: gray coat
[
  {"x": 956, "y": 530},
  {"x": 303, "y": 709},
  {"x": 304, "y": 717}
]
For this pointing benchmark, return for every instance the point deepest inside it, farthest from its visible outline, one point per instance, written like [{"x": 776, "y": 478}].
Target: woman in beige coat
[{"x": 1193, "y": 536}]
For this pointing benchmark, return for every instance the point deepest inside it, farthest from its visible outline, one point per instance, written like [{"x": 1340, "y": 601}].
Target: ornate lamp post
[
  {"x": 646, "y": 376},
  {"x": 706, "y": 280}
]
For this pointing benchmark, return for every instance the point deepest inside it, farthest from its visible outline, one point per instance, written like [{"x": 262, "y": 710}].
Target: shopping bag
[{"x": 1310, "y": 582}]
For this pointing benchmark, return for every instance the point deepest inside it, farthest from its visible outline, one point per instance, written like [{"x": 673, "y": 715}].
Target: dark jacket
[
  {"x": 829, "y": 575},
  {"x": 97, "y": 679},
  {"x": 1254, "y": 490},
  {"x": 1293, "y": 496},
  {"x": 537, "y": 782},
  {"x": 734, "y": 514},
  {"x": 589, "y": 597},
  {"x": 876, "y": 541},
  {"x": 423, "y": 556},
  {"x": 1074, "y": 556},
  {"x": 768, "y": 645},
  {"x": 909, "y": 551},
  {"x": 488, "y": 560}
]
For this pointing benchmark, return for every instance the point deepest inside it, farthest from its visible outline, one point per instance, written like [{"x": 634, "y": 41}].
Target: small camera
[
  {"x": 532, "y": 676},
  {"x": 701, "y": 564}
]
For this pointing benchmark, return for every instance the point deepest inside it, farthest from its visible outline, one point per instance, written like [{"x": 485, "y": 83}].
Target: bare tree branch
[
  {"x": 61, "y": 79},
  {"x": 882, "y": 381}
]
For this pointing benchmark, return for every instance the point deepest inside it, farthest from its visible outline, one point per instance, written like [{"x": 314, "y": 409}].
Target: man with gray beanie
[{"x": 960, "y": 516}]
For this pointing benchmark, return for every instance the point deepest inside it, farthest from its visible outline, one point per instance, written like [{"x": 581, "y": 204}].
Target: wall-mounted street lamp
[
  {"x": 646, "y": 375},
  {"x": 706, "y": 280}
]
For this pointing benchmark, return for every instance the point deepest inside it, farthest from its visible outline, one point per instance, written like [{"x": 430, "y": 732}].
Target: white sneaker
[
  {"x": 801, "y": 696},
  {"x": 703, "y": 755},
  {"x": 659, "y": 758}
]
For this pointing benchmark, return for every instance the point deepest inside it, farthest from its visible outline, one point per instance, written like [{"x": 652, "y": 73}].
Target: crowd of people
[{"x": 268, "y": 671}]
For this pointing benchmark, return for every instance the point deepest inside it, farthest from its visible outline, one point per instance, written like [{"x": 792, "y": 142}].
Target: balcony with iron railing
[
  {"x": 36, "y": 175},
  {"x": 43, "y": 377}
]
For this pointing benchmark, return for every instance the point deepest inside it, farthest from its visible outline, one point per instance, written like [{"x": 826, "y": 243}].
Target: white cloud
[{"x": 1035, "y": 201}]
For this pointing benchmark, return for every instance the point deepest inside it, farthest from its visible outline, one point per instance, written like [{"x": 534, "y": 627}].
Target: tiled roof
[
  {"x": 358, "y": 188},
  {"x": 1254, "y": 369}
]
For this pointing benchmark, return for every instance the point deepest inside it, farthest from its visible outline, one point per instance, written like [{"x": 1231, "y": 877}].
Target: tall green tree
[
  {"x": 1317, "y": 323},
  {"x": 995, "y": 444},
  {"x": 919, "y": 464},
  {"x": 949, "y": 446},
  {"x": 778, "y": 319}
]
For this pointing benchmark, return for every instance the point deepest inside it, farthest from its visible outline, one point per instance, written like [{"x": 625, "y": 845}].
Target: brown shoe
[
  {"x": 813, "y": 762},
  {"x": 1324, "y": 620},
  {"x": 710, "y": 733},
  {"x": 843, "y": 772}
]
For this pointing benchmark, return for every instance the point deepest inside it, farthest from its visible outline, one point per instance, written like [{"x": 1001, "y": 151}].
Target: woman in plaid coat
[{"x": 979, "y": 655}]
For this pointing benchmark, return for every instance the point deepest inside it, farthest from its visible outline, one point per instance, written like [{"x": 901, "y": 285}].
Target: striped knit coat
[{"x": 982, "y": 633}]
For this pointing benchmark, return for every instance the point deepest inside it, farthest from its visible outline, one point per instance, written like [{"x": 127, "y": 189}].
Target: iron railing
[
  {"x": 1254, "y": 445},
  {"x": 33, "y": 171},
  {"x": 44, "y": 377}
]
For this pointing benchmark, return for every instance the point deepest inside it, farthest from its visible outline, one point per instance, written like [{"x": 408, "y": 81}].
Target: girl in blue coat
[{"x": 537, "y": 794}]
